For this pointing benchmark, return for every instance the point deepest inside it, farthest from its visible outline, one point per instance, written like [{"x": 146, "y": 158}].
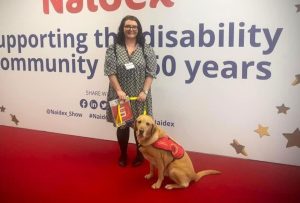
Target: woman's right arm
[{"x": 116, "y": 85}]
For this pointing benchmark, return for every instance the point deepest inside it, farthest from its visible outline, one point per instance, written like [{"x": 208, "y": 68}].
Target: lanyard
[
  {"x": 119, "y": 117},
  {"x": 129, "y": 56}
]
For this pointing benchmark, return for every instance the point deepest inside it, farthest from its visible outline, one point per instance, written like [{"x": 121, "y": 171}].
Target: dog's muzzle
[{"x": 141, "y": 133}]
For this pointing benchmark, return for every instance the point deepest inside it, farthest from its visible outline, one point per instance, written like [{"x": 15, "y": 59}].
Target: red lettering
[
  {"x": 74, "y": 6},
  {"x": 166, "y": 3},
  {"x": 116, "y": 4},
  {"x": 91, "y": 6},
  {"x": 135, "y": 6},
  {"x": 57, "y": 5}
]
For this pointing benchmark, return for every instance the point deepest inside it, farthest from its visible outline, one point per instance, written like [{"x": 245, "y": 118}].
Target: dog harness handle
[{"x": 119, "y": 117}]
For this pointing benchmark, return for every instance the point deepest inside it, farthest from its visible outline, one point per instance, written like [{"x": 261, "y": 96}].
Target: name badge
[{"x": 129, "y": 66}]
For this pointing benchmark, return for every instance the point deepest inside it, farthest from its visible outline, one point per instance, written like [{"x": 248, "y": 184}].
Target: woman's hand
[
  {"x": 122, "y": 95},
  {"x": 142, "y": 97}
]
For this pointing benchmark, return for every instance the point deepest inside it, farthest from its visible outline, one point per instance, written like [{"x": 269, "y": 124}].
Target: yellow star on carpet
[
  {"x": 240, "y": 149},
  {"x": 14, "y": 119},
  {"x": 262, "y": 131},
  {"x": 297, "y": 80},
  {"x": 282, "y": 109},
  {"x": 293, "y": 138},
  {"x": 298, "y": 7},
  {"x": 2, "y": 108}
]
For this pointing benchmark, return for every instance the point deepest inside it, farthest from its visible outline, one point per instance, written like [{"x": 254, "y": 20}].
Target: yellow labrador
[{"x": 179, "y": 168}]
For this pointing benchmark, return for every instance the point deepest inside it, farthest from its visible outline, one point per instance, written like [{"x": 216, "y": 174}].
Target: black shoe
[
  {"x": 122, "y": 161},
  {"x": 138, "y": 161}
]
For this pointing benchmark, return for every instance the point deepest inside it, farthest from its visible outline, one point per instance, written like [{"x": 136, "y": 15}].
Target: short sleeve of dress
[
  {"x": 110, "y": 64},
  {"x": 151, "y": 61}
]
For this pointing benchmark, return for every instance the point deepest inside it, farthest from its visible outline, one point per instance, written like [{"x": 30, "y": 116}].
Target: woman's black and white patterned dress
[{"x": 131, "y": 81}]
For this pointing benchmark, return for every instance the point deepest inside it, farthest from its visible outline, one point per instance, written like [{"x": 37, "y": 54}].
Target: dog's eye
[
  {"x": 147, "y": 123},
  {"x": 139, "y": 121}
]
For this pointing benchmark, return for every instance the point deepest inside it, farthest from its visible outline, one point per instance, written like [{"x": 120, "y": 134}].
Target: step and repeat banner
[{"x": 228, "y": 71}]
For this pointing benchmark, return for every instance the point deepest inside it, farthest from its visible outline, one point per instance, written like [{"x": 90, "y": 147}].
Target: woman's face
[{"x": 130, "y": 29}]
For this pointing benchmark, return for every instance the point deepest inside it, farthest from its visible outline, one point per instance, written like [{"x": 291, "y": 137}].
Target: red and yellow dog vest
[{"x": 166, "y": 143}]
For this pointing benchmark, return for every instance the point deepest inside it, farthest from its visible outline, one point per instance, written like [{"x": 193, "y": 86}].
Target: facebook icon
[{"x": 83, "y": 103}]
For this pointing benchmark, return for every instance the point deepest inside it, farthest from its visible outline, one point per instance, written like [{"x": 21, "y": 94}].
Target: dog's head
[{"x": 146, "y": 129}]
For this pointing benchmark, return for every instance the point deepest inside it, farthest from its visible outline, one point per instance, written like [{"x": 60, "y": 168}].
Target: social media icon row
[{"x": 93, "y": 104}]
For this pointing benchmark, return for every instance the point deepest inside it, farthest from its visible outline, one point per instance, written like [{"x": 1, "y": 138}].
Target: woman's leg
[
  {"x": 123, "y": 138},
  {"x": 139, "y": 157}
]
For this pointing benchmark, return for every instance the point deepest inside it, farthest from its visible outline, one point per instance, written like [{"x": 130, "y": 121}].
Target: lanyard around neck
[{"x": 127, "y": 52}]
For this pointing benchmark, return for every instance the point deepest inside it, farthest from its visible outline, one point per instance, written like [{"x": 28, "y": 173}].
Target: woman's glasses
[{"x": 128, "y": 27}]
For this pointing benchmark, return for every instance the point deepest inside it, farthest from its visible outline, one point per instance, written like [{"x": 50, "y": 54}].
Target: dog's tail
[{"x": 200, "y": 174}]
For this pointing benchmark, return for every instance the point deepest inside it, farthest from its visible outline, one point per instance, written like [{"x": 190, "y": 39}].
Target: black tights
[{"x": 123, "y": 138}]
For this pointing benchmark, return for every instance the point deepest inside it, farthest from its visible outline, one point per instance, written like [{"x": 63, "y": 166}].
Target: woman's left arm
[{"x": 147, "y": 85}]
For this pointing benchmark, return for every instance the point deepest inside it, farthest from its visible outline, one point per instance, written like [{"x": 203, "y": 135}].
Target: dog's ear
[
  {"x": 155, "y": 130},
  {"x": 134, "y": 125}
]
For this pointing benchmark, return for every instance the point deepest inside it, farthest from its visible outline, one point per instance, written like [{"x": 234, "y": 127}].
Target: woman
[{"x": 130, "y": 65}]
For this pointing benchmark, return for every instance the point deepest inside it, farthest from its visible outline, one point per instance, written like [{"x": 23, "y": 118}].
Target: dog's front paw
[
  {"x": 148, "y": 176},
  {"x": 169, "y": 187},
  {"x": 156, "y": 185}
]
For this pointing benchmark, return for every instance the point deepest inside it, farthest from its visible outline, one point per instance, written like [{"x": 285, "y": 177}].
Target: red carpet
[{"x": 47, "y": 167}]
